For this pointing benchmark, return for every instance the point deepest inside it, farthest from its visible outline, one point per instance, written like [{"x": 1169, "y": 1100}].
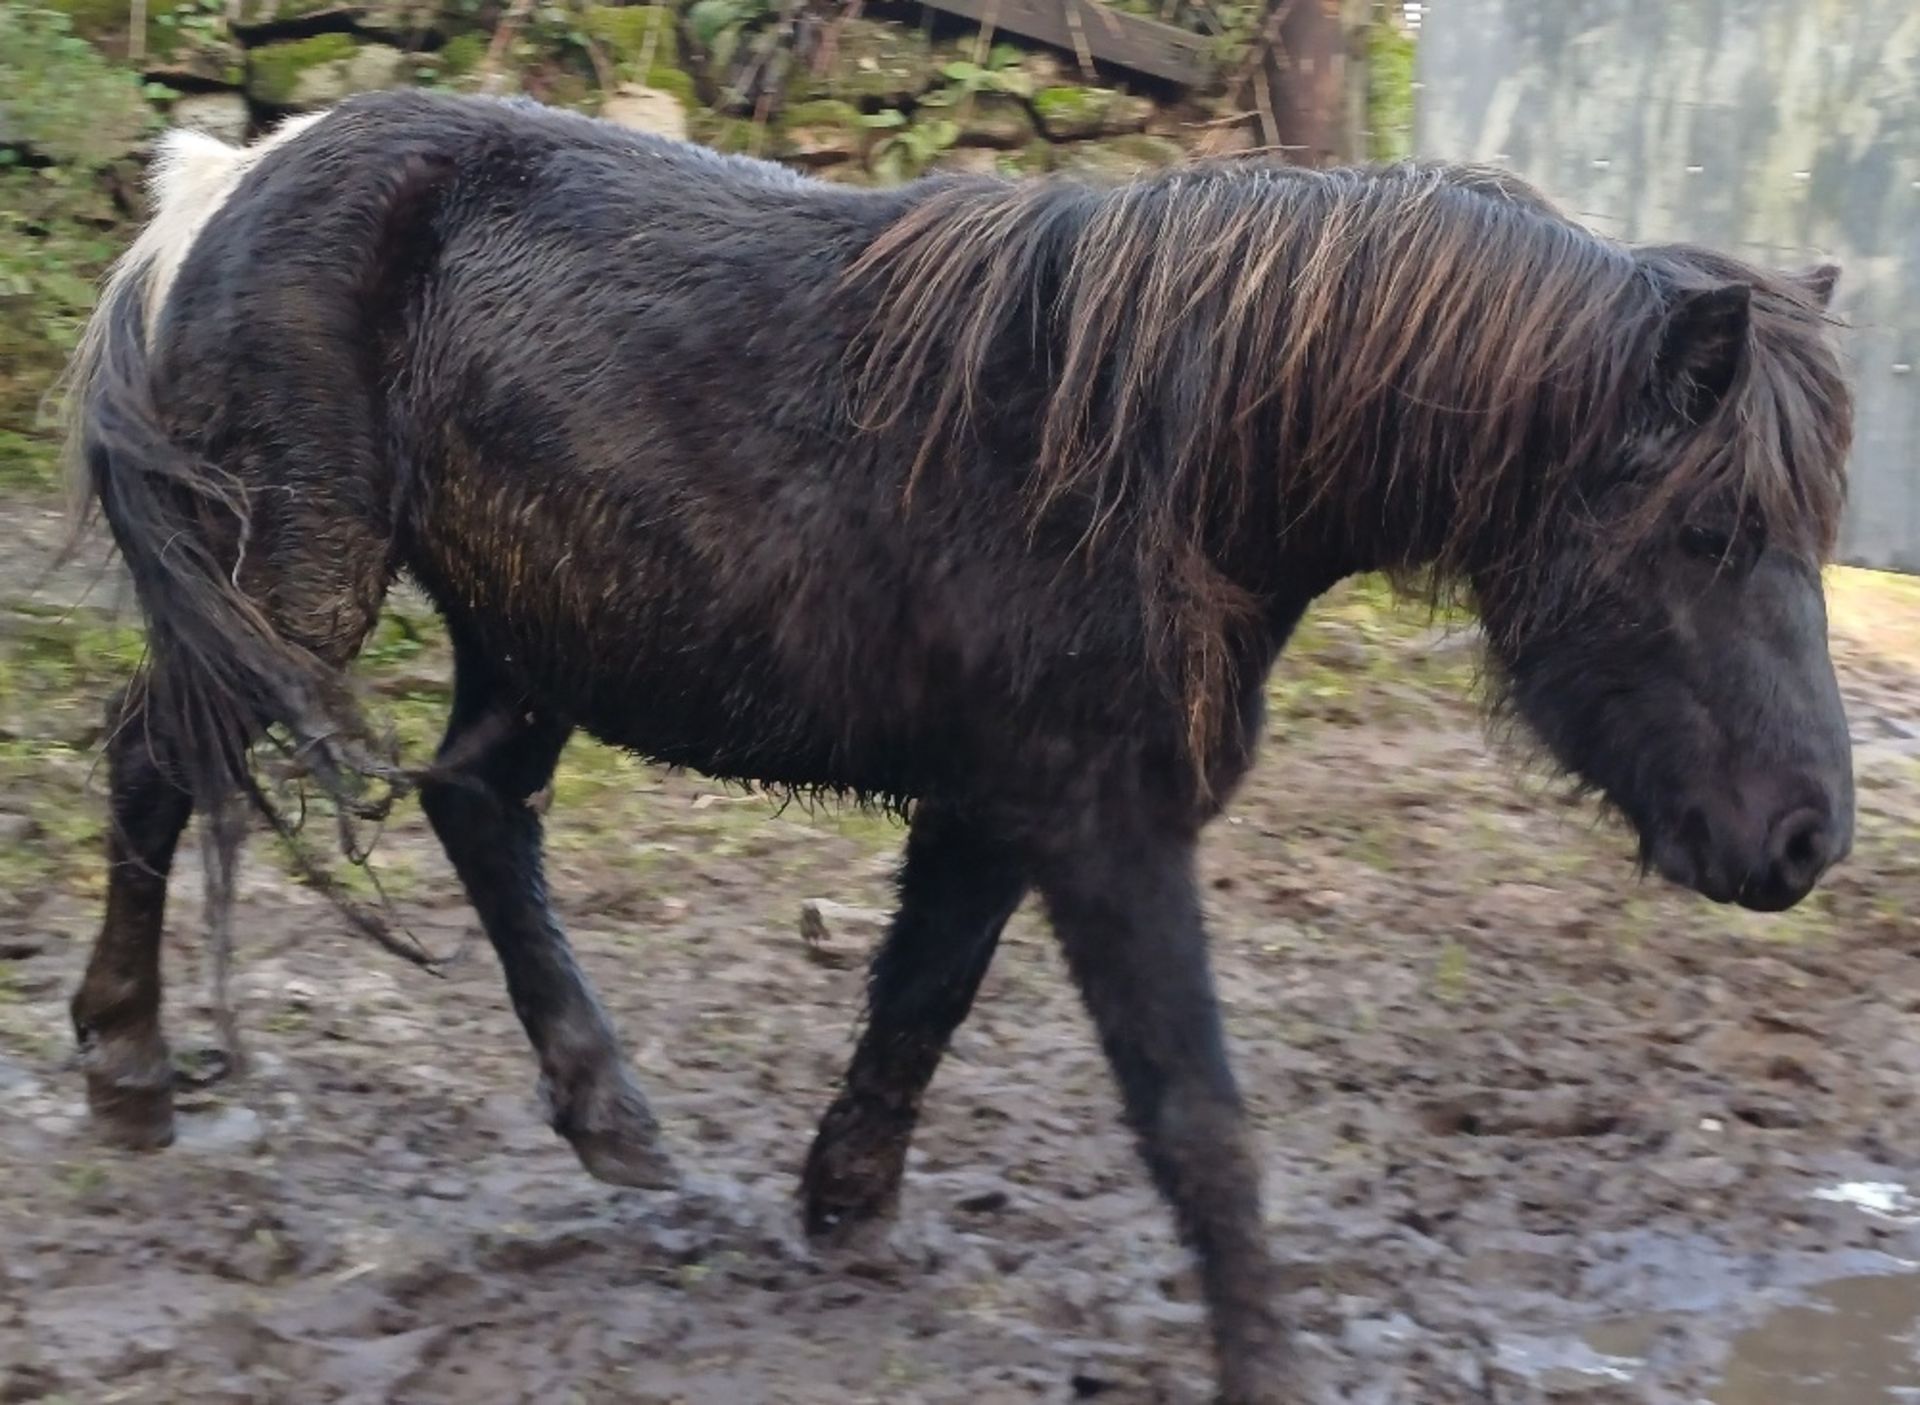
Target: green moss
[
  {"x": 723, "y": 133},
  {"x": 672, "y": 80},
  {"x": 1069, "y": 112},
  {"x": 276, "y": 69},
  {"x": 821, "y": 132},
  {"x": 1036, "y": 157},
  {"x": 626, "y": 31},
  {"x": 461, "y": 55},
  {"x": 1067, "y": 103},
  {"x": 822, "y": 112}
]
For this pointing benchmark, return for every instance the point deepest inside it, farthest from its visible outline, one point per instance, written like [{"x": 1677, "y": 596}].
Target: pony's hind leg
[
  {"x": 958, "y": 887},
  {"x": 498, "y": 753},
  {"x": 116, "y": 1011}
]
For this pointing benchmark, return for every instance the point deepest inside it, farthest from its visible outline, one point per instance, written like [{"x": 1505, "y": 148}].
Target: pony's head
[{"x": 1666, "y": 639}]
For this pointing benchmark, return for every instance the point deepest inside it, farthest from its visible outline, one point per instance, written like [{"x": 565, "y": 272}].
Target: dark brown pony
[{"x": 997, "y": 501}]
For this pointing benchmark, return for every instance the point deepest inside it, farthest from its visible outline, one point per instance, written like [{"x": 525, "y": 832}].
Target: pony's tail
[
  {"x": 219, "y": 677},
  {"x": 218, "y": 673}
]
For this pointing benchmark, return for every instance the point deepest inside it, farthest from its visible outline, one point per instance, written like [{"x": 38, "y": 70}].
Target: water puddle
[
  {"x": 1848, "y": 1340},
  {"x": 1851, "y": 1344}
]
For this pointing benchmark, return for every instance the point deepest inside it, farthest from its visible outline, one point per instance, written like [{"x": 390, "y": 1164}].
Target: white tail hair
[{"x": 192, "y": 176}]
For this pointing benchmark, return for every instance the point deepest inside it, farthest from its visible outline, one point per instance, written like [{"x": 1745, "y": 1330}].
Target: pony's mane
[{"x": 1420, "y": 364}]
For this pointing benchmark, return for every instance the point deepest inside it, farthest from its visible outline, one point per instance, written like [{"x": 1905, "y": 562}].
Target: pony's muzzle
[{"x": 1766, "y": 867}]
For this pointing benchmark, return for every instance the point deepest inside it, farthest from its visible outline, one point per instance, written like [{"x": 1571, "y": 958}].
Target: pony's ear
[
  {"x": 1819, "y": 281},
  {"x": 1703, "y": 345}
]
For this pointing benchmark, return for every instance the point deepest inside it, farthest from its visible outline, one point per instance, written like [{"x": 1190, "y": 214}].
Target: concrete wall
[{"x": 1784, "y": 130}]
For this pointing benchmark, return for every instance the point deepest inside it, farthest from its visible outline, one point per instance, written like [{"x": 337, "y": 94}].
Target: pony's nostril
[{"x": 1801, "y": 847}]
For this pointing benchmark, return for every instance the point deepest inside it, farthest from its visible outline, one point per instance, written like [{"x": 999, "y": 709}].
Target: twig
[
  {"x": 602, "y": 72},
  {"x": 830, "y": 42},
  {"x": 137, "y": 32},
  {"x": 983, "y": 41},
  {"x": 1232, "y": 119},
  {"x": 1263, "y": 98},
  {"x": 496, "y": 50}
]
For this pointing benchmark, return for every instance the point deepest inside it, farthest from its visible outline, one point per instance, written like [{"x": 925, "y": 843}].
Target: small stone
[
  {"x": 444, "y": 1188},
  {"x": 16, "y": 829},
  {"x": 642, "y": 109},
  {"x": 821, "y": 133},
  {"x": 223, "y": 1129},
  {"x": 984, "y": 1202},
  {"x": 831, "y": 930},
  {"x": 222, "y": 115}
]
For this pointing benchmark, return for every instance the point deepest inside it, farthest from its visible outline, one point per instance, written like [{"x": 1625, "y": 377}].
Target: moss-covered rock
[
  {"x": 968, "y": 160},
  {"x": 322, "y": 69},
  {"x": 1036, "y": 157},
  {"x": 993, "y": 119},
  {"x": 1072, "y": 114},
  {"x": 196, "y": 60},
  {"x": 823, "y": 132},
  {"x": 1117, "y": 158},
  {"x": 875, "y": 64}
]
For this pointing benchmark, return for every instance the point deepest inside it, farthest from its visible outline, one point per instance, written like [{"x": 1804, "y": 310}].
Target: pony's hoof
[
  {"x": 837, "y": 1219},
  {"x": 619, "y": 1160},
  {"x": 129, "y": 1090},
  {"x": 850, "y": 1188},
  {"x": 613, "y": 1133},
  {"x": 132, "y": 1111}
]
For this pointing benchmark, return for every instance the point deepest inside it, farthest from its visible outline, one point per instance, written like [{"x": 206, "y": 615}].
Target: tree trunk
[{"x": 1310, "y": 86}]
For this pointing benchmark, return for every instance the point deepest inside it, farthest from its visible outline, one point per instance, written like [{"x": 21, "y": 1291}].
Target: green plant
[
  {"x": 719, "y": 26},
  {"x": 907, "y": 149},
  {"x": 66, "y": 117},
  {"x": 1004, "y": 72},
  {"x": 59, "y": 99}
]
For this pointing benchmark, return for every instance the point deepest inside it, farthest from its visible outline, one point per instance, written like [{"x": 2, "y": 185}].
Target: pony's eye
[{"x": 1707, "y": 543}]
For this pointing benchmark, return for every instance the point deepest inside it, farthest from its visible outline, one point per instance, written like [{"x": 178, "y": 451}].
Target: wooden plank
[{"x": 1123, "y": 40}]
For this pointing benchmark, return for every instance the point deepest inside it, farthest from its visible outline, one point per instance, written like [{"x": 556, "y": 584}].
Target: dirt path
[{"x": 1532, "y": 1131}]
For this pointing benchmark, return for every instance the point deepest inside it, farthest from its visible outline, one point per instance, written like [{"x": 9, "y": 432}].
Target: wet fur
[{"x": 993, "y": 501}]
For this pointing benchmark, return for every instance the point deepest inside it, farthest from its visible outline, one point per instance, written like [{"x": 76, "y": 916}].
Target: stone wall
[{"x": 878, "y": 99}]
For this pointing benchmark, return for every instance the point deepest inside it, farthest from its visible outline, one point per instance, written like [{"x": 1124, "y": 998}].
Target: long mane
[{"x": 1425, "y": 361}]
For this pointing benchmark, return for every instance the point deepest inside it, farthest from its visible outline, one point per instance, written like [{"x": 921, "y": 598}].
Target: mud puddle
[{"x": 1840, "y": 1330}]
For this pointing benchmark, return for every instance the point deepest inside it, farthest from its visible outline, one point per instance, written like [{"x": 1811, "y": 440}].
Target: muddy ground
[{"x": 1532, "y": 1130}]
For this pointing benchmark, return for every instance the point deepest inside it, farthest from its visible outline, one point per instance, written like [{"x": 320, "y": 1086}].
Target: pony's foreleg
[
  {"x": 957, "y": 888},
  {"x": 1128, "y": 918},
  {"x": 116, "y": 1011},
  {"x": 496, "y": 756}
]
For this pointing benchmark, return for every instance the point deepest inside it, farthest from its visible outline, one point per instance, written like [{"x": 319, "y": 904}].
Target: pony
[{"x": 993, "y": 501}]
